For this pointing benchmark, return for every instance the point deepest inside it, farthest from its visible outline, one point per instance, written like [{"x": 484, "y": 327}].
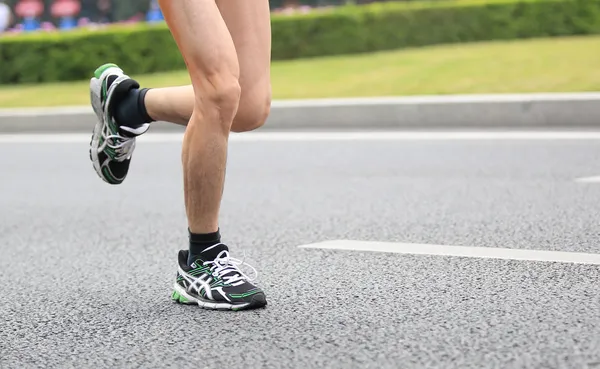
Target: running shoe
[
  {"x": 216, "y": 284},
  {"x": 112, "y": 145}
]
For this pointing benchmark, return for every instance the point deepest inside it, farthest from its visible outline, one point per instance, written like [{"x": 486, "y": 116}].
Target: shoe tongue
[{"x": 211, "y": 252}]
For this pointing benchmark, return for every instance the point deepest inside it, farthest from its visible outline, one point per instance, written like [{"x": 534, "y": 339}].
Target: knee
[
  {"x": 252, "y": 113},
  {"x": 217, "y": 98}
]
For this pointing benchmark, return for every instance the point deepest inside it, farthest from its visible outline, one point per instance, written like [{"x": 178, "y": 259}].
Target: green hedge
[{"x": 349, "y": 29}]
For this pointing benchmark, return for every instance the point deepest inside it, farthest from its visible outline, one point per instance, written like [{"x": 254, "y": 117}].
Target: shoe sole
[{"x": 180, "y": 296}]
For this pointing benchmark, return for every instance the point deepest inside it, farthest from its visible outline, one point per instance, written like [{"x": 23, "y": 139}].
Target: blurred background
[
  {"x": 30, "y": 15},
  {"x": 320, "y": 48}
]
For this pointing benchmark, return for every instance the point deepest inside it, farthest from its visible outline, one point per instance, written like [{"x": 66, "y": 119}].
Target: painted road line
[
  {"x": 458, "y": 251},
  {"x": 45, "y": 112},
  {"x": 595, "y": 179},
  {"x": 329, "y": 136}
]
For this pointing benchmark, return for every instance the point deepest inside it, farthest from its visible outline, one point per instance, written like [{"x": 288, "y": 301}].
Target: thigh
[
  {"x": 203, "y": 40},
  {"x": 249, "y": 23}
]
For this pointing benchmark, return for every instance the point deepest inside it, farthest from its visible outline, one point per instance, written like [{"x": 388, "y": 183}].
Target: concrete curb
[{"x": 565, "y": 110}]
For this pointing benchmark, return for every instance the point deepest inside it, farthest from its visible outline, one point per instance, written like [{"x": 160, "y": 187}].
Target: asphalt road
[{"x": 86, "y": 268}]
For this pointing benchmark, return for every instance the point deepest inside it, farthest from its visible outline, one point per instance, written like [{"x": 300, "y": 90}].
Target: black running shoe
[
  {"x": 112, "y": 146},
  {"x": 216, "y": 284}
]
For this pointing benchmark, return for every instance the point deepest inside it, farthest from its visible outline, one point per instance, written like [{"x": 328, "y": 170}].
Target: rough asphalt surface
[{"x": 86, "y": 268}]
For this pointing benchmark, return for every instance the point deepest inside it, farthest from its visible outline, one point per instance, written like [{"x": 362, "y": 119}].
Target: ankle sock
[
  {"x": 131, "y": 110},
  {"x": 202, "y": 245}
]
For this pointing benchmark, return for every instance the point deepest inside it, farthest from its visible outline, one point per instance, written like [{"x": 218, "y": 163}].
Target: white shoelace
[
  {"x": 224, "y": 265},
  {"x": 122, "y": 145}
]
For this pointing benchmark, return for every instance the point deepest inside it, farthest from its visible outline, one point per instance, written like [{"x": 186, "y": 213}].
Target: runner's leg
[
  {"x": 208, "y": 50},
  {"x": 206, "y": 275}
]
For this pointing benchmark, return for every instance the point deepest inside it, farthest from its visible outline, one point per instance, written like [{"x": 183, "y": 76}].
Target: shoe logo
[
  {"x": 199, "y": 284},
  {"x": 193, "y": 265}
]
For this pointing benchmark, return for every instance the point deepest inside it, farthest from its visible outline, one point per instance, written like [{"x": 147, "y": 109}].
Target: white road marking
[
  {"x": 46, "y": 112},
  {"x": 595, "y": 179},
  {"x": 327, "y": 136},
  {"x": 460, "y": 251}
]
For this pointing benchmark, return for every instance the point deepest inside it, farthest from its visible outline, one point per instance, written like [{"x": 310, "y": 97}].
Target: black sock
[
  {"x": 199, "y": 243},
  {"x": 131, "y": 110}
]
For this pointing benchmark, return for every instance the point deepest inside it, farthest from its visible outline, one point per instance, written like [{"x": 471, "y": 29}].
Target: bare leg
[
  {"x": 208, "y": 46},
  {"x": 209, "y": 53},
  {"x": 250, "y": 28},
  {"x": 171, "y": 104}
]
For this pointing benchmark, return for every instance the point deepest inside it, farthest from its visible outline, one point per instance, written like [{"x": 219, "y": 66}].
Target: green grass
[{"x": 543, "y": 65}]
